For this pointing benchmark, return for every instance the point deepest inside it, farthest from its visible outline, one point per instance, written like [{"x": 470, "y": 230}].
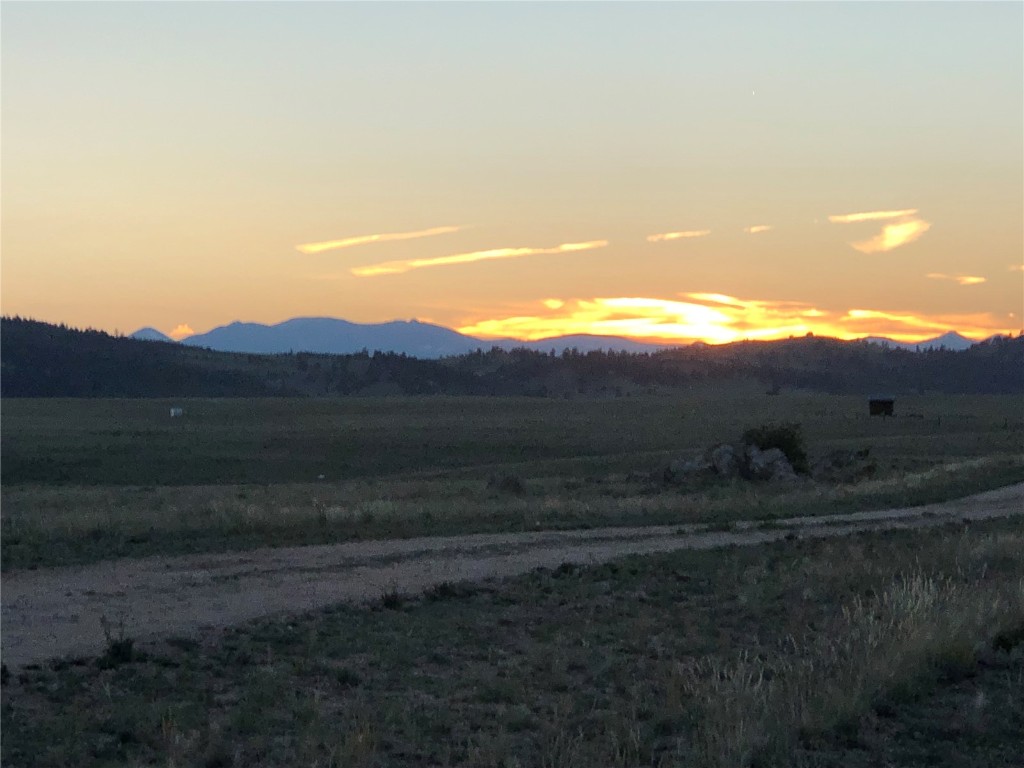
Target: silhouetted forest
[{"x": 43, "y": 360}]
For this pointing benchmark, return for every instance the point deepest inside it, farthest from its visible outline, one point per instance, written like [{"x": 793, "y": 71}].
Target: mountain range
[
  {"x": 45, "y": 360},
  {"x": 327, "y": 335}
]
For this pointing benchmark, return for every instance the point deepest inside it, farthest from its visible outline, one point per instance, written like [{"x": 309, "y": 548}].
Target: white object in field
[{"x": 177, "y": 412}]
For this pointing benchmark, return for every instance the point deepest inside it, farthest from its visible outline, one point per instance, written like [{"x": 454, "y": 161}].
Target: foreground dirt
[{"x": 57, "y": 612}]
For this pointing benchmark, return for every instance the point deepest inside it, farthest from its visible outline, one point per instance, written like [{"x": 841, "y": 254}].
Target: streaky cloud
[
  {"x": 961, "y": 279},
  {"x": 852, "y": 218},
  {"x": 1017, "y": 267},
  {"x": 757, "y": 229},
  {"x": 349, "y": 242},
  {"x": 664, "y": 236},
  {"x": 905, "y": 326},
  {"x": 407, "y": 265}
]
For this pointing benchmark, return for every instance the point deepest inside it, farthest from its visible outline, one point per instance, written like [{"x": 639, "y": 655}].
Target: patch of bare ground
[
  {"x": 57, "y": 612},
  {"x": 725, "y": 656}
]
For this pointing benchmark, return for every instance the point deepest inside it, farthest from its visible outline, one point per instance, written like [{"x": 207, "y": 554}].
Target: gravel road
[{"x": 56, "y": 612}]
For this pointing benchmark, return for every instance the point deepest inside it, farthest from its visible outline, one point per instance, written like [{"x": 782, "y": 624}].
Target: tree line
[{"x": 44, "y": 360}]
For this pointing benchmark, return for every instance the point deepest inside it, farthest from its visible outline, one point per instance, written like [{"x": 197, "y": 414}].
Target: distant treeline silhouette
[{"x": 44, "y": 360}]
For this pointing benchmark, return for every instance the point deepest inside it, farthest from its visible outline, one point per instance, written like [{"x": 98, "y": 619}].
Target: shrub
[
  {"x": 506, "y": 483},
  {"x": 788, "y": 438},
  {"x": 120, "y": 648}
]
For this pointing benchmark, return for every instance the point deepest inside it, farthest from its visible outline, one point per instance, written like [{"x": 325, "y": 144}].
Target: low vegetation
[
  {"x": 787, "y": 438},
  {"x": 94, "y": 364},
  {"x": 91, "y": 479},
  {"x": 47, "y": 527},
  {"x": 798, "y": 653}
]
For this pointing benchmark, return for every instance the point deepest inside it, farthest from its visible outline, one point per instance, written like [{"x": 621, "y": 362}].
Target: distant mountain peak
[
  {"x": 950, "y": 340},
  {"x": 414, "y": 337},
  {"x": 150, "y": 334}
]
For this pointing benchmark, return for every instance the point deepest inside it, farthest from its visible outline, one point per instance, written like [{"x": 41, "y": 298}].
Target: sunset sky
[{"x": 711, "y": 171}]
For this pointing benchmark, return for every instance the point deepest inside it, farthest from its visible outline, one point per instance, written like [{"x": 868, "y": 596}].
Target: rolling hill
[{"x": 44, "y": 360}]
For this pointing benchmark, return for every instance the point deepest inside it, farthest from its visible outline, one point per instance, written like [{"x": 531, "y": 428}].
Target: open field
[
  {"x": 795, "y": 652},
  {"x": 272, "y": 441},
  {"x": 55, "y": 612},
  {"x": 816, "y": 652},
  {"x": 93, "y": 479}
]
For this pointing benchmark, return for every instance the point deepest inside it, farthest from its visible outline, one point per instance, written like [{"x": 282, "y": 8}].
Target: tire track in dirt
[{"x": 56, "y": 612}]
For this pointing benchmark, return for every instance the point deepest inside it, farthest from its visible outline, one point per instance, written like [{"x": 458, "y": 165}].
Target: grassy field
[
  {"x": 90, "y": 479},
  {"x": 272, "y": 441},
  {"x": 817, "y": 653}
]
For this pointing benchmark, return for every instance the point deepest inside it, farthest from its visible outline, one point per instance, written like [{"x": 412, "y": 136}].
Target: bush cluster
[{"x": 788, "y": 438}]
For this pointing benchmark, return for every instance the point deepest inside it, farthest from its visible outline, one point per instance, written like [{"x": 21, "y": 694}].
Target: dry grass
[
  {"x": 759, "y": 707},
  {"x": 734, "y": 657},
  {"x": 59, "y": 526},
  {"x": 91, "y": 479}
]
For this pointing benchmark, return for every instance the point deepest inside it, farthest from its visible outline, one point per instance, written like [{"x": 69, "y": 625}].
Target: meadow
[
  {"x": 896, "y": 648},
  {"x": 903, "y": 647},
  {"x": 91, "y": 479}
]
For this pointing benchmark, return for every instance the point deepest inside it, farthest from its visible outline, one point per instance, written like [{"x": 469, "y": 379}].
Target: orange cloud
[
  {"x": 678, "y": 235},
  {"x": 181, "y": 331},
  {"x": 906, "y": 229},
  {"x": 961, "y": 279},
  {"x": 893, "y": 236},
  {"x": 1017, "y": 267},
  {"x": 853, "y": 218},
  {"x": 757, "y": 228},
  {"x": 718, "y": 318},
  {"x": 348, "y": 242},
  {"x": 905, "y": 326},
  {"x": 406, "y": 265}
]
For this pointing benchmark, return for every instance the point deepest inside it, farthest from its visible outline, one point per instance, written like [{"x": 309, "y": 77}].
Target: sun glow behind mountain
[{"x": 718, "y": 319}]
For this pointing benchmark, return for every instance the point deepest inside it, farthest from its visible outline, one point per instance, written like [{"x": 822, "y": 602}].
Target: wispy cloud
[
  {"x": 181, "y": 331},
  {"x": 853, "y": 218},
  {"x": 906, "y": 228},
  {"x": 678, "y": 235},
  {"x": 718, "y": 318},
  {"x": 406, "y": 265},
  {"x": 757, "y": 228},
  {"x": 1017, "y": 267},
  {"x": 349, "y": 242},
  {"x": 907, "y": 326},
  {"x": 961, "y": 279},
  {"x": 893, "y": 236}
]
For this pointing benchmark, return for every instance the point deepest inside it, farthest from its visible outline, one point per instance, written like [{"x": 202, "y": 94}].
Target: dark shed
[{"x": 881, "y": 405}]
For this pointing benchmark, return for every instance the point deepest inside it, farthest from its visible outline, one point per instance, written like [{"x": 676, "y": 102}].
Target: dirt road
[{"x": 56, "y": 612}]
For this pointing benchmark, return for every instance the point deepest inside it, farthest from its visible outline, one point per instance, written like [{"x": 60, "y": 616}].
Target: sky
[{"x": 662, "y": 171}]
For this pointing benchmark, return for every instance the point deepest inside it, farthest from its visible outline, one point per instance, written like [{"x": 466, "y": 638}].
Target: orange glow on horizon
[
  {"x": 719, "y": 319},
  {"x": 181, "y": 331}
]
